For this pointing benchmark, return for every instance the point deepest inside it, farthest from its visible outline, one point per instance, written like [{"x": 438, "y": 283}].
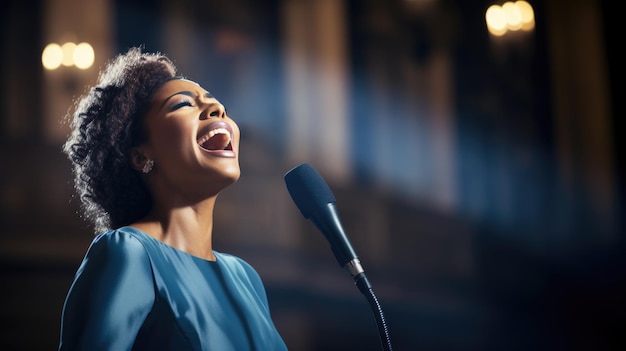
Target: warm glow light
[
  {"x": 52, "y": 56},
  {"x": 68, "y": 53},
  {"x": 511, "y": 16},
  {"x": 83, "y": 56},
  {"x": 496, "y": 20},
  {"x": 528, "y": 15}
]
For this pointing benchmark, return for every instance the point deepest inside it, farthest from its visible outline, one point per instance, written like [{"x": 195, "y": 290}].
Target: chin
[
  {"x": 232, "y": 174},
  {"x": 234, "y": 178}
]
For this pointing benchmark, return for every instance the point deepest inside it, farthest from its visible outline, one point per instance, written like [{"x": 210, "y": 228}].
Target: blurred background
[{"x": 472, "y": 146}]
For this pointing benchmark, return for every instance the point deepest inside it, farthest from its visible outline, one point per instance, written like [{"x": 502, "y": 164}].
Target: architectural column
[
  {"x": 582, "y": 108},
  {"x": 315, "y": 52}
]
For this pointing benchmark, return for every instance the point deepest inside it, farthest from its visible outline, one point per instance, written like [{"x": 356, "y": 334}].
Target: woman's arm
[{"x": 112, "y": 293}]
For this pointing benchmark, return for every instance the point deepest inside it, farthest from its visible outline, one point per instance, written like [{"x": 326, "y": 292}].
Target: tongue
[{"x": 217, "y": 142}]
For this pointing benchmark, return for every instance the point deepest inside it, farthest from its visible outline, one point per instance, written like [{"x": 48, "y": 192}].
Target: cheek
[{"x": 172, "y": 137}]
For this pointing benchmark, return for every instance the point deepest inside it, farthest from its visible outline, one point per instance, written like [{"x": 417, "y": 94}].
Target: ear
[{"x": 137, "y": 158}]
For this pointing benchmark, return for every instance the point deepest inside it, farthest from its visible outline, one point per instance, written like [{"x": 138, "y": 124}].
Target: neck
[{"x": 185, "y": 227}]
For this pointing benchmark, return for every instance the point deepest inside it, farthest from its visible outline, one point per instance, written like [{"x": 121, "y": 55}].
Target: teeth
[{"x": 214, "y": 132}]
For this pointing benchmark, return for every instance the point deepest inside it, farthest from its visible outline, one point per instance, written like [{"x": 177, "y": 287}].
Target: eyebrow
[{"x": 184, "y": 92}]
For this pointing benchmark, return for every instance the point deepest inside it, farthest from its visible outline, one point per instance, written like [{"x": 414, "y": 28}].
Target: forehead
[{"x": 175, "y": 86}]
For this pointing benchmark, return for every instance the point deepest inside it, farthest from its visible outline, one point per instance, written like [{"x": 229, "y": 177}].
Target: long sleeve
[{"x": 111, "y": 296}]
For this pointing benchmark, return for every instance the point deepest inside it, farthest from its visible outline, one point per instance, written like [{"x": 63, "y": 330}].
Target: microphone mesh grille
[{"x": 308, "y": 189}]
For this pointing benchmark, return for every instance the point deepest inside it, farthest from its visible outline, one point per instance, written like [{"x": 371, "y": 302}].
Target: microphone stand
[
  {"x": 328, "y": 221},
  {"x": 316, "y": 202},
  {"x": 355, "y": 269}
]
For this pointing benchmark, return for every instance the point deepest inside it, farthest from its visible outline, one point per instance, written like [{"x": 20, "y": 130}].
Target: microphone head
[{"x": 308, "y": 189}]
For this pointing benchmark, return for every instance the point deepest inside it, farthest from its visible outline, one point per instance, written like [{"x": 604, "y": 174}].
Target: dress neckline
[{"x": 159, "y": 242}]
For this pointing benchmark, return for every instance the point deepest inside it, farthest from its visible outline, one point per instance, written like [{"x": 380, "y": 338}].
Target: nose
[{"x": 215, "y": 110}]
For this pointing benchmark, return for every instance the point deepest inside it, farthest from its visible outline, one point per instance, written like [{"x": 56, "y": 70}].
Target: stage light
[
  {"x": 52, "y": 56},
  {"x": 83, "y": 56},
  {"x": 68, "y": 53},
  {"x": 510, "y": 16}
]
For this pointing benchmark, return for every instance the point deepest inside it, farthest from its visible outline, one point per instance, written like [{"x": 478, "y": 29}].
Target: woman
[{"x": 151, "y": 151}]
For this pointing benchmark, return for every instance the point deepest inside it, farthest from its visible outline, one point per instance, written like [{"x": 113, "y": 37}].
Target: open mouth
[{"x": 217, "y": 138}]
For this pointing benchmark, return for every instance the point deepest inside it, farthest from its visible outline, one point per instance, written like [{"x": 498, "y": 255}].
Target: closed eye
[{"x": 181, "y": 104}]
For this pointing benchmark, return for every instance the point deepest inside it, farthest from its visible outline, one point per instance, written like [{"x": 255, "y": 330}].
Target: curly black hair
[{"x": 107, "y": 122}]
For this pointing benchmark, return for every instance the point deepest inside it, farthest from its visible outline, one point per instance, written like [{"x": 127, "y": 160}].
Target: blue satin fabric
[{"x": 133, "y": 292}]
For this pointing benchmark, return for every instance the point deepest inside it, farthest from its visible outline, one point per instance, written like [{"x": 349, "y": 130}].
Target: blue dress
[{"x": 133, "y": 292}]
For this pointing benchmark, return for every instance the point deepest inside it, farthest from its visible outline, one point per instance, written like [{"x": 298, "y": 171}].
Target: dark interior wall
[{"x": 615, "y": 57}]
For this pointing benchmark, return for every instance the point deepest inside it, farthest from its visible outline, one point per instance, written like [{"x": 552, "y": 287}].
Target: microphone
[{"x": 316, "y": 201}]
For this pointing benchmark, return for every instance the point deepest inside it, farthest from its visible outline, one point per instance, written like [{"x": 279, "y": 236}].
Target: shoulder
[
  {"x": 239, "y": 267},
  {"x": 119, "y": 242},
  {"x": 233, "y": 261},
  {"x": 113, "y": 258},
  {"x": 117, "y": 250},
  {"x": 112, "y": 293}
]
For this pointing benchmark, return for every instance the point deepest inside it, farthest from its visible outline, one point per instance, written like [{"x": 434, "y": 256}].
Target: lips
[{"x": 216, "y": 139}]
